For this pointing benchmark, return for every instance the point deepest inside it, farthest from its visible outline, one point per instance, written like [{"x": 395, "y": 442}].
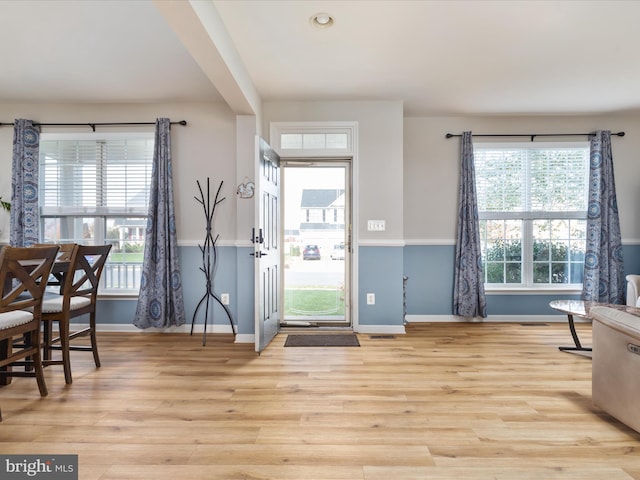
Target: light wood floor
[{"x": 445, "y": 401}]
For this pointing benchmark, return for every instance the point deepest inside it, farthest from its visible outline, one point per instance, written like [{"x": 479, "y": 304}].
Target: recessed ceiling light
[{"x": 322, "y": 20}]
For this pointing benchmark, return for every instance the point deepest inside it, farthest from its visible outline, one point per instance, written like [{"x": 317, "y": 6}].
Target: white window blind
[
  {"x": 95, "y": 177},
  {"x": 535, "y": 179}
]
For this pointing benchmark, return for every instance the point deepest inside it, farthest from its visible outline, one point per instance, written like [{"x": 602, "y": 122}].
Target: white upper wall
[
  {"x": 431, "y": 167},
  {"x": 380, "y": 154}
]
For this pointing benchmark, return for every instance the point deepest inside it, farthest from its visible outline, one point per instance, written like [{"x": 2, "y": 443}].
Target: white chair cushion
[
  {"x": 53, "y": 303},
  {"x": 15, "y": 318}
]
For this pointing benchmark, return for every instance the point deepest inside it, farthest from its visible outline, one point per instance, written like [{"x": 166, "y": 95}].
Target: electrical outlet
[
  {"x": 224, "y": 298},
  {"x": 371, "y": 298}
]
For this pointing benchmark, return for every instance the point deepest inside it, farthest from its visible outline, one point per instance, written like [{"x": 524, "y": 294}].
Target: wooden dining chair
[
  {"x": 23, "y": 277},
  {"x": 78, "y": 296}
]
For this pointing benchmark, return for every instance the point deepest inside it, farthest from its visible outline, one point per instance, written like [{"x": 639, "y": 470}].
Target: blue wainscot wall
[
  {"x": 380, "y": 272},
  {"x": 430, "y": 286},
  {"x": 233, "y": 263},
  {"x": 429, "y": 290}
]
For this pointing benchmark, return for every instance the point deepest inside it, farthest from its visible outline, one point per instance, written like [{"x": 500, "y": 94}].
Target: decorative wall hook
[{"x": 246, "y": 189}]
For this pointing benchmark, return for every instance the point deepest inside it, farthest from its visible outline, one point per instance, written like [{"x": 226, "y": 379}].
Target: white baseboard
[
  {"x": 245, "y": 338},
  {"x": 186, "y": 328},
  {"x": 381, "y": 329},
  {"x": 492, "y": 319},
  {"x": 240, "y": 338},
  {"x": 364, "y": 329},
  {"x": 127, "y": 327}
]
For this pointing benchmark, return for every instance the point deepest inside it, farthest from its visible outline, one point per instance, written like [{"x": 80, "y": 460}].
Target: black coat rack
[{"x": 209, "y": 252}]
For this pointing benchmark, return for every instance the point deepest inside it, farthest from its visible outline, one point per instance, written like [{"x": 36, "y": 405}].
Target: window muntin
[
  {"x": 95, "y": 191},
  {"x": 532, "y": 204}
]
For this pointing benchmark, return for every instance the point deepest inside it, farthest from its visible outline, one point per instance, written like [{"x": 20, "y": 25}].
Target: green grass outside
[
  {"x": 120, "y": 257},
  {"x": 313, "y": 302}
]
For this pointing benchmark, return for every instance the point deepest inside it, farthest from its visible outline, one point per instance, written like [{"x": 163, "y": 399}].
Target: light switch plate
[{"x": 376, "y": 225}]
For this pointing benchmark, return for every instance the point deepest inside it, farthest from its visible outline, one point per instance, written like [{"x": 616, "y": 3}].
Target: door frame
[{"x": 350, "y": 152}]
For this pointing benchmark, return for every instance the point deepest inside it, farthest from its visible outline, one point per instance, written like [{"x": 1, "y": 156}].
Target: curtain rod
[
  {"x": 533, "y": 135},
  {"x": 94, "y": 125}
]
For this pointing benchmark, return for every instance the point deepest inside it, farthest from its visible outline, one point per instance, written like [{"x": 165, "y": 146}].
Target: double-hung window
[
  {"x": 532, "y": 207},
  {"x": 94, "y": 189}
]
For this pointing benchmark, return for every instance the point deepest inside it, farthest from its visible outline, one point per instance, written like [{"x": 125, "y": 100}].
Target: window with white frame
[
  {"x": 532, "y": 207},
  {"x": 313, "y": 141},
  {"x": 95, "y": 190}
]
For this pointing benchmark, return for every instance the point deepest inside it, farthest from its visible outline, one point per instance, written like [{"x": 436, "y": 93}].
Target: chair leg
[
  {"x": 22, "y": 342},
  {"x": 46, "y": 350},
  {"x": 5, "y": 350},
  {"x": 63, "y": 327},
  {"x": 94, "y": 340},
  {"x": 34, "y": 340}
]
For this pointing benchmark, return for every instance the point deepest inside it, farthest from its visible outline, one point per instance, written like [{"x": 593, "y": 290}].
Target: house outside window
[
  {"x": 322, "y": 221},
  {"x": 532, "y": 207},
  {"x": 95, "y": 190}
]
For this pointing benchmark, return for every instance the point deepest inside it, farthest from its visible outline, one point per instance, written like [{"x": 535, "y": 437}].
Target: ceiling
[{"x": 437, "y": 57}]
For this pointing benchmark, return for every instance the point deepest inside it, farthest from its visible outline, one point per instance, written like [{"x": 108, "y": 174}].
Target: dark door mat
[{"x": 315, "y": 340}]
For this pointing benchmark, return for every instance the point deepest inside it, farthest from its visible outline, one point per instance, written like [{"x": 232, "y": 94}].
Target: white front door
[{"x": 267, "y": 245}]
